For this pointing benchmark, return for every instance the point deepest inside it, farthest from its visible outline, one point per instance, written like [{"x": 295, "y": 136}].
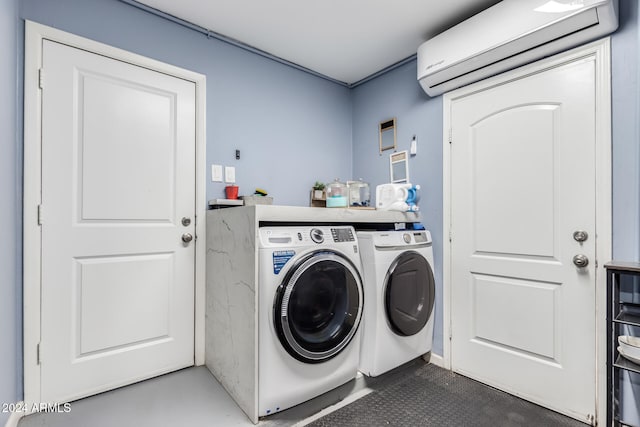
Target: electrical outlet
[
  {"x": 230, "y": 174},
  {"x": 216, "y": 173}
]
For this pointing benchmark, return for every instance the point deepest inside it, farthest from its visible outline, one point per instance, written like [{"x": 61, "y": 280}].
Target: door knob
[
  {"x": 580, "y": 261},
  {"x": 187, "y": 237},
  {"x": 580, "y": 236}
]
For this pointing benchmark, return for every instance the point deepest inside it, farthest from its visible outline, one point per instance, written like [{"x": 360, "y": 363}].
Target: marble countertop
[{"x": 277, "y": 213}]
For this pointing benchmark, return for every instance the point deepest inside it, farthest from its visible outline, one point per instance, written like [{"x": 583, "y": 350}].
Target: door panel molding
[
  {"x": 599, "y": 52},
  {"x": 33, "y": 214}
]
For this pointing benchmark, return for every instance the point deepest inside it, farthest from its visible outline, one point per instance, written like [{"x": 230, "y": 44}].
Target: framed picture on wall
[{"x": 387, "y": 135}]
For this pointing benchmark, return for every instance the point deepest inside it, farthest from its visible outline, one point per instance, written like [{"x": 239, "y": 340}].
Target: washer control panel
[
  {"x": 342, "y": 234},
  {"x": 317, "y": 235},
  {"x": 295, "y": 236}
]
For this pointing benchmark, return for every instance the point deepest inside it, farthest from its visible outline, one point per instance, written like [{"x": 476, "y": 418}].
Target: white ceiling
[{"x": 345, "y": 40}]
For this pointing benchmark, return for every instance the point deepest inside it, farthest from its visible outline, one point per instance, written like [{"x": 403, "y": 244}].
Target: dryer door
[
  {"x": 318, "y": 306},
  {"x": 409, "y": 293}
]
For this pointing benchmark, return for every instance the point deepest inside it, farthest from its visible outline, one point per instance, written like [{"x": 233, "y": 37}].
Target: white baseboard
[
  {"x": 15, "y": 417},
  {"x": 437, "y": 360}
]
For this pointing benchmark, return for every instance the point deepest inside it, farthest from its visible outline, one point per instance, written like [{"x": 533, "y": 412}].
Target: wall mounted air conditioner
[{"x": 509, "y": 34}]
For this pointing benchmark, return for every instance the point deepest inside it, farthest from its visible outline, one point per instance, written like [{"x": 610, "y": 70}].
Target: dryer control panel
[{"x": 398, "y": 239}]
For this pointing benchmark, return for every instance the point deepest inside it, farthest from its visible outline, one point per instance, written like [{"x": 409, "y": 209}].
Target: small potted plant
[{"x": 318, "y": 190}]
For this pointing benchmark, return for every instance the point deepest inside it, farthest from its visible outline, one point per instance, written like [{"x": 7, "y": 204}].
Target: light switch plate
[
  {"x": 216, "y": 173},
  {"x": 230, "y": 174}
]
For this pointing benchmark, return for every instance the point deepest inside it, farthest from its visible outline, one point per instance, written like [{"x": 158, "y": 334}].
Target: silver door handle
[
  {"x": 580, "y": 261},
  {"x": 187, "y": 237},
  {"x": 580, "y": 236}
]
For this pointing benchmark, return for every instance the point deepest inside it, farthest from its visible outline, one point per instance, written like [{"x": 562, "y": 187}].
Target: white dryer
[
  {"x": 310, "y": 306},
  {"x": 400, "y": 295}
]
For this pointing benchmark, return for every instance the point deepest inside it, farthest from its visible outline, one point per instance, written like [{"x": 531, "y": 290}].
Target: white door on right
[{"x": 523, "y": 224}]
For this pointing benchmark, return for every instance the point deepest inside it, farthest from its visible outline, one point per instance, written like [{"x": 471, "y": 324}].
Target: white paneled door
[
  {"x": 118, "y": 177},
  {"x": 523, "y": 189}
]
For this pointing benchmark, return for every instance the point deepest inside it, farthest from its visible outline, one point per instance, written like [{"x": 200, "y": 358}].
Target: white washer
[
  {"x": 310, "y": 307},
  {"x": 400, "y": 295}
]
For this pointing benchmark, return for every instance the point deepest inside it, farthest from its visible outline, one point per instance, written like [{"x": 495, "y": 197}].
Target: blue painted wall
[
  {"x": 398, "y": 94},
  {"x": 292, "y": 128},
  {"x": 626, "y": 165},
  {"x": 9, "y": 213},
  {"x": 626, "y": 134}
]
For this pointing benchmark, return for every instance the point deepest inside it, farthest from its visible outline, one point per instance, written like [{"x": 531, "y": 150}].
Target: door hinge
[
  {"x": 195, "y": 223},
  {"x": 450, "y": 235},
  {"x": 39, "y": 214},
  {"x": 450, "y": 132},
  {"x": 41, "y": 78},
  {"x": 38, "y": 353}
]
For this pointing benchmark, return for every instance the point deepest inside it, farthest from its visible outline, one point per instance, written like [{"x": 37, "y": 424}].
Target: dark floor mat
[{"x": 430, "y": 396}]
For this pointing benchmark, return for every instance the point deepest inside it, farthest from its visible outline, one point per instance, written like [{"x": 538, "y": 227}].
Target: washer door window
[
  {"x": 409, "y": 293},
  {"x": 318, "y": 307}
]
